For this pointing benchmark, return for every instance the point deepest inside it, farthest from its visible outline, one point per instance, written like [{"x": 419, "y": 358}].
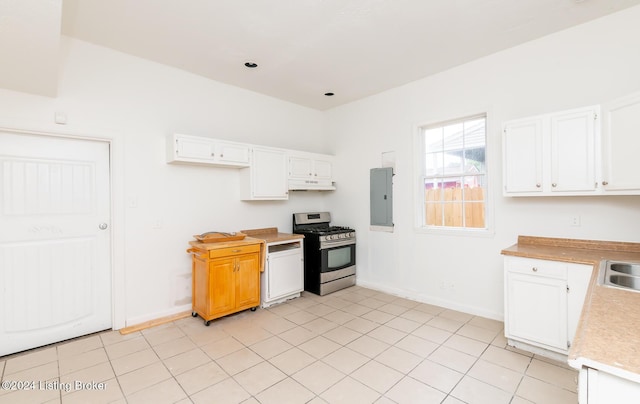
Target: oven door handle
[{"x": 325, "y": 245}]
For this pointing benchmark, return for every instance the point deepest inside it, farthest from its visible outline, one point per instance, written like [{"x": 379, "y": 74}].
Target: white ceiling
[{"x": 305, "y": 48}]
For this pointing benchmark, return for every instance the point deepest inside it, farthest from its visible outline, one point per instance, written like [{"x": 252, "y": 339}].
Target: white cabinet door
[
  {"x": 573, "y": 143},
  {"x": 201, "y": 150},
  {"x": 536, "y": 302},
  {"x": 322, "y": 169},
  {"x": 309, "y": 167},
  {"x": 552, "y": 154},
  {"x": 605, "y": 388},
  {"x": 522, "y": 156},
  {"x": 578, "y": 278},
  {"x": 300, "y": 167},
  {"x": 286, "y": 273},
  {"x": 537, "y": 310},
  {"x": 266, "y": 179},
  {"x": 231, "y": 153},
  {"x": 195, "y": 148},
  {"x": 620, "y": 143}
]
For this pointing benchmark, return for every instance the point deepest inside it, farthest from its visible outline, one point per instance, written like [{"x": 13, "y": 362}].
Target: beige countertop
[
  {"x": 271, "y": 235},
  {"x": 608, "y": 334}
]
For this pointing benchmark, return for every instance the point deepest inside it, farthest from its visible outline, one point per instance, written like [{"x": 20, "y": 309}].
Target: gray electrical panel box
[{"x": 381, "y": 196}]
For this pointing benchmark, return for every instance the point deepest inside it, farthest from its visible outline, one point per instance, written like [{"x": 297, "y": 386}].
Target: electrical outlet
[{"x": 575, "y": 220}]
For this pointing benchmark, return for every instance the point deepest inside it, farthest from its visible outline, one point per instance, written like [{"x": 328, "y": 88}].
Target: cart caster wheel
[
  {"x": 194, "y": 314},
  {"x": 253, "y": 308},
  {"x": 206, "y": 323}
]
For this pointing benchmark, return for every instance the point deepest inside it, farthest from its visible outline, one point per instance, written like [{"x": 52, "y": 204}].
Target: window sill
[{"x": 455, "y": 232}]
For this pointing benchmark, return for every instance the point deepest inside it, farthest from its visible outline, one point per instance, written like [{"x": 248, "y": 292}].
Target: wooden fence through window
[{"x": 449, "y": 201}]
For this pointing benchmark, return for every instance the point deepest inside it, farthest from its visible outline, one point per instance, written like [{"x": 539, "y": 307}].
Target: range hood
[{"x": 311, "y": 185}]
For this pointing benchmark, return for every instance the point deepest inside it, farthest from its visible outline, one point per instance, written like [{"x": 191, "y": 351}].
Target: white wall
[
  {"x": 589, "y": 64},
  {"x": 136, "y": 103}
]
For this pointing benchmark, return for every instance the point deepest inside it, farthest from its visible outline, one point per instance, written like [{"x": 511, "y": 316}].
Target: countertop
[
  {"x": 608, "y": 334},
  {"x": 271, "y": 235},
  {"x": 198, "y": 245}
]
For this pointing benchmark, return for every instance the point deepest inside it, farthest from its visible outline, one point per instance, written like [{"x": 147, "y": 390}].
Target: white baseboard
[{"x": 422, "y": 298}]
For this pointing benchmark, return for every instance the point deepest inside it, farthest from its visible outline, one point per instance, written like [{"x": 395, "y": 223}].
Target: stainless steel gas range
[{"x": 329, "y": 253}]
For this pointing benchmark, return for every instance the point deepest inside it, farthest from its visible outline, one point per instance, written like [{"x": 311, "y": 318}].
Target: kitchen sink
[
  {"x": 623, "y": 275},
  {"x": 626, "y": 268}
]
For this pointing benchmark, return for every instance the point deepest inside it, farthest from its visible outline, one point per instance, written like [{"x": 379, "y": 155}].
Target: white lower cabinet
[
  {"x": 543, "y": 301},
  {"x": 598, "y": 387},
  {"x": 283, "y": 277}
]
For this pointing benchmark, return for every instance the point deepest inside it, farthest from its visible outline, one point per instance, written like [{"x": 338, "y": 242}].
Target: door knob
[{"x": 102, "y": 226}]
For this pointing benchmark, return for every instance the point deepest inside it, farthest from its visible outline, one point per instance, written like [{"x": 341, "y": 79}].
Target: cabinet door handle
[
  {"x": 554, "y": 185},
  {"x": 534, "y": 269},
  {"x": 538, "y": 185},
  {"x": 605, "y": 183},
  {"x": 236, "y": 251}
]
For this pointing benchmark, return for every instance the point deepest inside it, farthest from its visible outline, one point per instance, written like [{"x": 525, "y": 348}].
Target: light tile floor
[{"x": 354, "y": 346}]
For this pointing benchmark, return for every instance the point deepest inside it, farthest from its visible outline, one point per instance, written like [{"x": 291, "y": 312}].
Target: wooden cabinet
[
  {"x": 226, "y": 277},
  {"x": 543, "y": 302},
  {"x": 266, "y": 178},
  {"x": 552, "y": 154},
  {"x": 200, "y": 150},
  {"x": 308, "y": 171},
  {"x": 620, "y": 145}
]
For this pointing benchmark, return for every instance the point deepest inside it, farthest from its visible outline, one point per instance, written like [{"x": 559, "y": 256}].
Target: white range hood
[{"x": 310, "y": 185}]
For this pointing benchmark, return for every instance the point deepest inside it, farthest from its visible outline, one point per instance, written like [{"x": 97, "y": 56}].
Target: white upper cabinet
[
  {"x": 266, "y": 178},
  {"x": 202, "y": 150},
  {"x": 573, "y": 143},
  {"x": 620, "y": 146},
  {"x": 552, "y": 154},
  {"x": 308, "y": 171},
  {"x": 266, "y": 173},
  {"x": 522, "y": 156}
]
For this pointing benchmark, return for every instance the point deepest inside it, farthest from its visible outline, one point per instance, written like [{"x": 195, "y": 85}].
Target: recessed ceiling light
[
  {"x": 329, "y": 94},
  {"x": 251, "y": 65}
]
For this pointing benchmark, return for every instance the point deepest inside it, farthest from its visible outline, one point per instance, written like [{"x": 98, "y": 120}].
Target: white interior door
[{"x": 55, "y": 271}]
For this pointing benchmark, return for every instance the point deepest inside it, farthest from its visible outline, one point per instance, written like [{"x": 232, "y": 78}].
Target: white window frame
[{"x": 419, "y": 172}]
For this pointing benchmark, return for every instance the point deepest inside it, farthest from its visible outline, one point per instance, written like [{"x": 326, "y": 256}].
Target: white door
[{"x": 55, "y": 271}]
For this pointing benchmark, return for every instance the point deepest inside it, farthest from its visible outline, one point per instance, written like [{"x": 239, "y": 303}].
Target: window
[{"x": 454, "y": 176}]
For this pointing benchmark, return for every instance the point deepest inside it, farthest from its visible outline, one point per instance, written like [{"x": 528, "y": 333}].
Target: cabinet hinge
[
  {"x": 595, "y": 116},
  {"x": 567, "y": 288},
  {"x": 568, "y": 344}
]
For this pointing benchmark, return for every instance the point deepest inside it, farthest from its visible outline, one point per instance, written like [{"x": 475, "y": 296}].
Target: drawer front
[
  {"x": 530, "y": 266},
  {"x": 225, "y": 252}
]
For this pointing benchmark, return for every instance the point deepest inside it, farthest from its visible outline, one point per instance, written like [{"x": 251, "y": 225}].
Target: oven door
[{"x": 336, "y": 258}]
